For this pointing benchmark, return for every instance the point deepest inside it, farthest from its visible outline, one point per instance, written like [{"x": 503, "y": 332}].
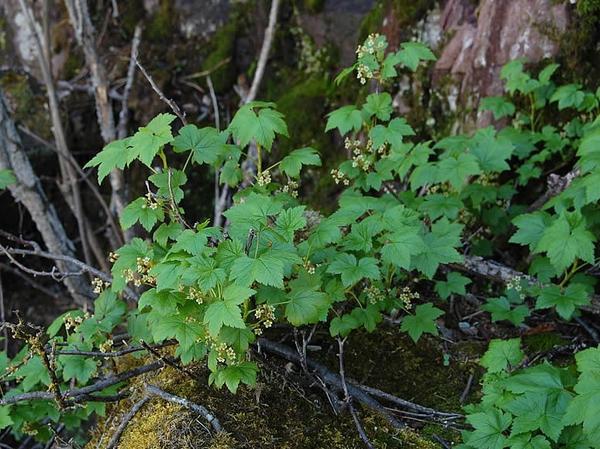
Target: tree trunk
[{"x": 28, "y": 191}]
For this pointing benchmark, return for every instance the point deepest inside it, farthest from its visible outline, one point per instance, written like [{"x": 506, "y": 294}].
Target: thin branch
[
  {"x": 124, "y": 114},
  {"x": 496, "y": 271},
  {"x": 264, "y": 52},
  {"x": 120, "y": 353},
  {"x": 212, "y": 419},
  {"x": 79, "y": 394},
  {"x": 348, "y": 398},
  {"x": 93, "y": 187},
  {"x": 84, "y": 267},
  {"x": 114, "y": 440},
  {"x": 330, "y": 378},
  {"x": 161, "y": 95}
]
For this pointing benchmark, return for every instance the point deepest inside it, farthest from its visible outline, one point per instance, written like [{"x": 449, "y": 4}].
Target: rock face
[
  {"x": 338, "y": 23},
  {"x": 201, "y": 22},
  {"x": 486, "y": 37}
]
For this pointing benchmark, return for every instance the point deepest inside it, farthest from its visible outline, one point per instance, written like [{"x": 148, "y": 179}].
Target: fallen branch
[
  {"x": 348, "y": 398},
  {"x": 212, "y": 419},
  {"x": 78, "y": 394},
  {"x": 496, "y": 271},
  {"x": 114, "y": 440},
  {"x": 330, "y": 378}
]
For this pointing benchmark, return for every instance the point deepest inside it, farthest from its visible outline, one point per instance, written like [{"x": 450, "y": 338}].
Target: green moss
[
  {"x": 283, "y": 411},
  {"x": 28, "y": 107},
  {"x": 405, "y": 12},
  {"x": 314, "y": 6},
  {"x": 543, "y": 342},
  {"x": 161, "y": 25},
  {"x": 578, "y": 44},
  {"x": 304, "y": 110},
  {"x": 223, "y": 47},
  {"x": 131, "y": 13}
]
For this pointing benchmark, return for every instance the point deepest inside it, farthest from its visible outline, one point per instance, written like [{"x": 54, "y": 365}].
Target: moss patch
[
  {"x": 28, "y": 107},
  {"x": 283, "y": 411}
]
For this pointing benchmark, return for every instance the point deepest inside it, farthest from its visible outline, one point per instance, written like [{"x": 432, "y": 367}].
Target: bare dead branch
[
  {"x": 73, "y": 261},
  {"x": 93, "y": 187},
  {"x": 161, "y": 95},
  {"x": 264, "y": 52},
  {"x": 202, "y": 411},
  {"x": 81, "y": 394},
  {"x": 70, "y": 187},
  {"x": 124, "y": 114},
  {"x": 114, "y": 440},
  {"x": 330, "y": 378},
  {"x": 493, "y": 270},
  {"x": 348, "y": 398}
]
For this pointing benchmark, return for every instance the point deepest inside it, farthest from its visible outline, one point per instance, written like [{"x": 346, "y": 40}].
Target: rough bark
[
  {"x": 86, "y": 38},
  {"x": 28, "y": 191}
]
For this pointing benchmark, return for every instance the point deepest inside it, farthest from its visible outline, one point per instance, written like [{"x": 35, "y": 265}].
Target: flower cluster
[
  {"x": 515, "y": 283},
  {"x": 140, "y": 276},
  {"x": 225, "y": 353},
  {"x": 72, "y": 322},
  {"x": 291, "y": 188},
  {"x": 265, "y": 314},
  {"x": 196, "y": 294},
  {"x": 360, "y": 157},
  {"x": 263, "y": 178},
  {"x": 374, "y": 45},
  {"x": 374, "y": 294},
  {"x": 407, "y": 296},
  {"x": 99, "y": 285},
  {"x": 106, "y": 346},
  {"x": 339, "y": 177},
  {"x": 151, "y": 202},
  {"x": 309, "y": 267}
]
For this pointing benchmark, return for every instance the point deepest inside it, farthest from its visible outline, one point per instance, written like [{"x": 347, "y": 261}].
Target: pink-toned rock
[{"x": 487, "y": 37}]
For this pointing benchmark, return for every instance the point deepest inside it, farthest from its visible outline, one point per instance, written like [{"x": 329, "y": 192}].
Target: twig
[
  {"x": 78, "y": 394},
  {"x": 93, "y": 187},
  {"x": 207, "y": 72},
  {"x": 465, "y": 393},
  {"x": 161, "y": 95},
  {"x": 440, "y": 440},
  {"x": 348, "y": 398},
  {"x": 264, "y": 52},
  {"x": 589, "y": 329},
  {"x": 114, "y": 440},
  {"x": 212, "y": 419},
  {"x": 54, "y": 274},
  {"x": 84, "y": 267},
  {"x": 124, "y": 113},
  {"x": 407, "y": 404},
  {"x": 168, "y": 361},
  {"x": 120, "y": 353},
  {"x": 330, "y": 378}
]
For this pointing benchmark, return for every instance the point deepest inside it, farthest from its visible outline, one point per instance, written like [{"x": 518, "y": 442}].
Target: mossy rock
[
  {"x": 28, "y": 107},
  {"x": 284, "y": 411}
]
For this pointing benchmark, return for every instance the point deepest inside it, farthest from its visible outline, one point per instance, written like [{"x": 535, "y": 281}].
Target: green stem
[
  {"x": 532, "y": 113},
  {"x": 258, "y": 159},
  {"x": 569, "y": 274},
  {"x": 163, "y": 158}
]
